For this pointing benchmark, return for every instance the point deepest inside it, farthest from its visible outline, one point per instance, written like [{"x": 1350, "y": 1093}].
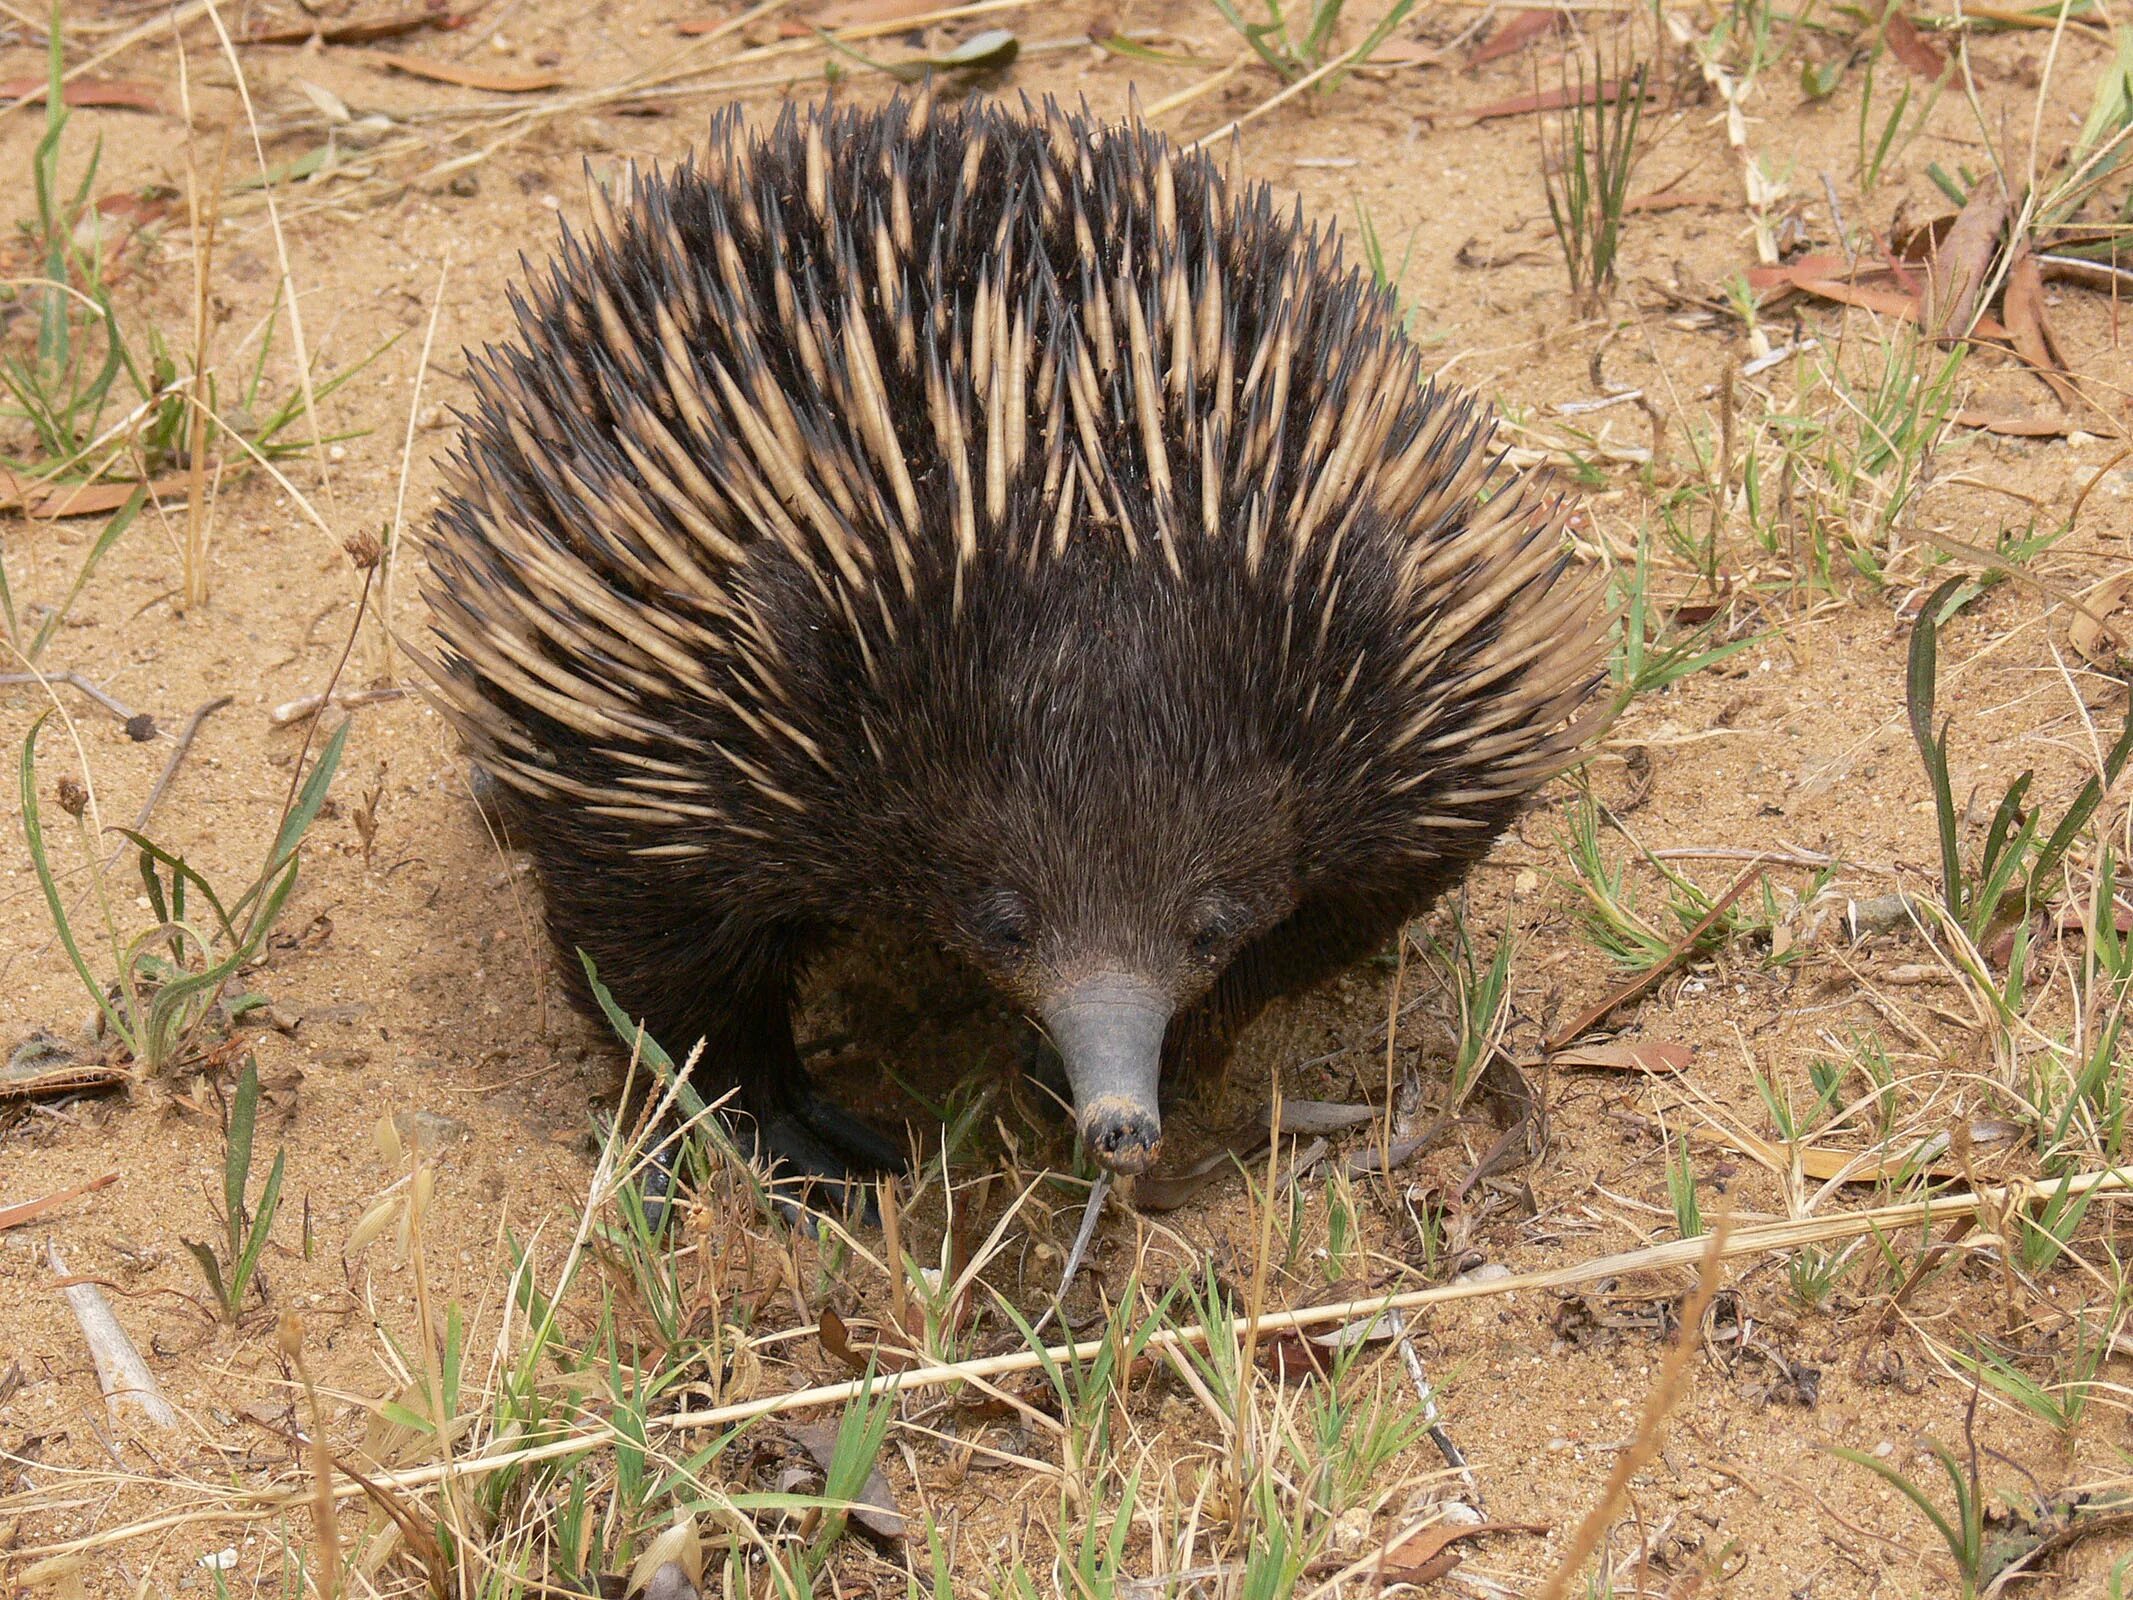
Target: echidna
[{"x": 1005, "y": 527}]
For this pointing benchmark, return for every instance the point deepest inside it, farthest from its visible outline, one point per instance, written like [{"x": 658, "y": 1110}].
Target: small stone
[
  {"x": 465, "y": 185},
  {"x": 671, "y": 1582},
  {"x": 429, "y": 1131},
  {"x": 1487, "y": 1272}
]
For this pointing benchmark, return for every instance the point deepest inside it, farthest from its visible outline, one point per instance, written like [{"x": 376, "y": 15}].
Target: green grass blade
[
  {"x": 1909, "y": 1490},
  {"x": 33, "y": 835},
  {"x": 237, "y": 1152},
  {"x": 180, "y": 874},
  {"x": 1933, "y": 749},
  {"x": 256, "y": 1241},
  {"x": 121, "y": 520}
]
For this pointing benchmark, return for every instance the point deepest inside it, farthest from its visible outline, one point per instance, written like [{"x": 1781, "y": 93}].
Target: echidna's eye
[
  {"x": 1212, "y": 924},
  {"x": 1002, "y": 921}
]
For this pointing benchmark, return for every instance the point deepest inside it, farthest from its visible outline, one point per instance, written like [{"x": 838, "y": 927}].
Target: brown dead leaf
[
  {"x": 121, "y": 94},
  {"x": 837, "y": 1340},
  {"x": 355, "y": 32},
  {"x": 1962, "y": 264},
  {"x": 138, "y": 209},
  {"x": 469, "y": 77},
  {"x": 2022, "y": 305},
  {"x": 1672, "y": 202},
  {"x": 1515, "y": 35},
  {"x": 1290, "y": 1357},
  {"x": 1560, "y": 98},
  {"x": 1831, "y": 277},
  {"x": 1911, "y": 47},
  {"x": 2017, "y": 424},
  {"x": 1891, "y": 303},
  {"x": 1791, "y": 274},
  {"x": 875, "y": 1509},
  {"x": 1402, "y": 53},
  {"x": 76, "y": 500},
  {"x": 2097, "y": 630},
  {"x": 837, "y": 1344},
  {"x": 15, "y": 1216},
  {"x": 1657, "y": 1059},
  {"x": 1310, "y": 1117}
]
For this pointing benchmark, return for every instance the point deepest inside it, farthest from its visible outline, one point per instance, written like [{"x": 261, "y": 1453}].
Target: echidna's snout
[{"x": 1109, "y": 1031}]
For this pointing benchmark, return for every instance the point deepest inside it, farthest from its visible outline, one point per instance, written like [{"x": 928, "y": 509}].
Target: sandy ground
[{"x": 402, "y": 977}]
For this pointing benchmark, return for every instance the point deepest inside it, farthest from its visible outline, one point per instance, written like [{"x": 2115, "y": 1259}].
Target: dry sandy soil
[{"x": 402, "y": 979}]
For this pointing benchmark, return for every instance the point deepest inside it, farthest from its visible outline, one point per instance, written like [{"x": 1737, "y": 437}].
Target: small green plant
[
  {"x": 1746, "y": 37},
  {"x": 1649, "y": 653},
  {"x": 1791, "y": 1124},
  {"x": 1343, "y": 1224},
  {"x": 1483, "y": 993},
  {"x": 69, "y": 382},
  {"x": 1814, "y": 1271},
  {"x": 1831, "y": 470},
  {"x": 2061, "y": 1402},
  {"x": 1869, "y": 1057},
  {"x": 62, "y": 387},
  {"x": 1612, "y": 914},
  {"x": 1884, "y": 138},
  {"x": 2041, "y": 1240},
  {"x": 1586, "y": 162},
  {"x": 1962, "y": 1526},
  {"x": 1085, "y": 1388},
  {"x": 861, "y": 1432},
  {"x": 2016, "y": 862},
  {"x": 96, "y": 395},
  {"x": 245, "y": 1228},
  {"x": 1294, "y": 38},
  {"x": 1681, "y": 1192},
  {"x": 165, "y": 983}
]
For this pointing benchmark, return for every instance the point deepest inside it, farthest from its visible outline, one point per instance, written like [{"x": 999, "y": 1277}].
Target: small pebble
[{"x": 1487, "y": 1272}]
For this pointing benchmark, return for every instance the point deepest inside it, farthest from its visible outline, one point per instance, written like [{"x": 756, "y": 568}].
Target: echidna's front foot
[{"x": 823, "y": 1155}]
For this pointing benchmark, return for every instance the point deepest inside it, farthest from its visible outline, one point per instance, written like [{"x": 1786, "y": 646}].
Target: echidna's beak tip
[
  {"x": 1109, "y": 1031},
  {"x": 1125, "y": 1137}
]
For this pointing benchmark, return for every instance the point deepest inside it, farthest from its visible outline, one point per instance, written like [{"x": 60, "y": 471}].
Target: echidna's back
[{"x": 879, "y": 374}]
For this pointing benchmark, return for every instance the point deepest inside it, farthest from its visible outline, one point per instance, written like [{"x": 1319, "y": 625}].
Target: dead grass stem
[{"x": 1745, "y": 1240}]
